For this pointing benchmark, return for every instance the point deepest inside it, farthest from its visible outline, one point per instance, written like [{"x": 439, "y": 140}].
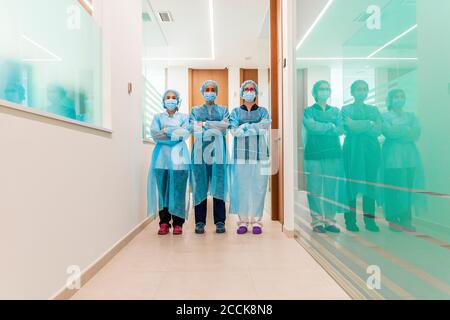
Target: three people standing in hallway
[
  {"x": 208, "y": 167},
  {"x": 384, "y": 173}
]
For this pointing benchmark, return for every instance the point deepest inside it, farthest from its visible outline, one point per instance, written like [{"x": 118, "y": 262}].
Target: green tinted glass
[{"x": 378, "y": 161}]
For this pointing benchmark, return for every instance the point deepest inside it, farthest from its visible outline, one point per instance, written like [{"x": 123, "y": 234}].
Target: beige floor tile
[
  {"x": 121, "y": 285},
  {"x": 212, "y": 266},
  {"x": 225, "y": 285},
  {"x": 293, "y": 285}
]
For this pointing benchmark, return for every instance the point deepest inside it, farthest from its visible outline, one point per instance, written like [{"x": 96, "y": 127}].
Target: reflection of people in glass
[
  {"x": 15, "y": 92},
  {"x": 60, "y": 103},
  {"x": 322, "y": 158},
  {"x": 401, "y": 160},
  {"x": 362, "y": 155}
]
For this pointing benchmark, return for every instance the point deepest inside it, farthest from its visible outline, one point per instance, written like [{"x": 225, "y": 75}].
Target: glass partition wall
[
  {"x": 50, "y": 58},
  {"x": 380, "y": 161}
]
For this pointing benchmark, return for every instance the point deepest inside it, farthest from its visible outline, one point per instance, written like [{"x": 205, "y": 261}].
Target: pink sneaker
[
  {"x": 164, "y": 229},
  {"x": 178, "y": 230}
]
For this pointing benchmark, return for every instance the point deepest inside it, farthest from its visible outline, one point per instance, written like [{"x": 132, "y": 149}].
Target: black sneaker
[
  {"x": 319, "y": 229},
  {"x": 200, "y": 228},
  {"x": 333, "y": 229},
  {"x": 220, "y": 227}
]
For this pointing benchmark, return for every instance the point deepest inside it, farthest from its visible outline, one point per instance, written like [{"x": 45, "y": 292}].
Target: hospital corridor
[{"x": 224, "y": 150}]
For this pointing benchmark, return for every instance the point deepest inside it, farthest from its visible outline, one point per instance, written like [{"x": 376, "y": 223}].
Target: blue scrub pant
[{"x": 219, "y": 211}]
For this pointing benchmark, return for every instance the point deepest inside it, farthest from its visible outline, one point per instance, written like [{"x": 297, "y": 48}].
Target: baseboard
[
  {"x": 289, "y": 233},
  {"x": 66, "y": 293}
]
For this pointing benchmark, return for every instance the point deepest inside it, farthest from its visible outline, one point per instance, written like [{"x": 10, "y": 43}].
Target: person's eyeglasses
[{"x": 249, "y": 90}]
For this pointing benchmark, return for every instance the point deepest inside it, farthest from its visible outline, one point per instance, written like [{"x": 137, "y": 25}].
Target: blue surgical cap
[
  {"x": 208, "y": 83},
  {"x": 249, "y": 82},
  {"x": 171, "y": 90}
]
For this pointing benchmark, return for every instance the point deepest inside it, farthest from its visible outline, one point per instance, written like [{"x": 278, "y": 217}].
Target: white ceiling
[
  {"x": 241, "y": 31},
  {"x": 339, "y": 34}
]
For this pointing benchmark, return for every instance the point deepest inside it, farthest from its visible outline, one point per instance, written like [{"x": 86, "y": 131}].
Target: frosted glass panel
[
  {"x": 390, "y": 174},
  {"x": 50, "y": 58},
  {"x": 154, "y": 72}
]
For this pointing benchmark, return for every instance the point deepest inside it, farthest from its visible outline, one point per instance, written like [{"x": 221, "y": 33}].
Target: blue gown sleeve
[
  {"x": 316, "y": 127},
  {"x": 264, "y": 124},
  {"x": 157, "y": 132},
  {"x": 371, "y": 127},
  {"x": 234, "y": 124},
  {"x": 194, "y": 127},
  {"x": 252, "y": 129},
  {"x": 375, "y": 130},
  {"x": 181, "y": 132},
  {"x": 392, "y": 131}
]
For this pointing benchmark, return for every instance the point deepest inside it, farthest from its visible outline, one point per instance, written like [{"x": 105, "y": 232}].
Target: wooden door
[
  {"x": 249, "y": 74},
  {"x": 196, "y": 79}
]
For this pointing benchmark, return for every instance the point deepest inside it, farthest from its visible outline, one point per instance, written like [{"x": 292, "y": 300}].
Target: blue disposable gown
[
  {"x": 209, "y": 154},
  {"x": 361, "y": 151},
  {"x": 250, "y": 168},
  {"x": 324, "y": 170},
  {"x": 402, "y": 165},
  {"x": 168, "y": 179}
]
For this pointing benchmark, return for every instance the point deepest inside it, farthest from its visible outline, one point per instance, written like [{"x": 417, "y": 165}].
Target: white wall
[
  {"x": 234, "y": 86},
  {"x": 67, "y": 193},
  {"x": 178, "y": 79},
  {"x": 264, "y": 90}
]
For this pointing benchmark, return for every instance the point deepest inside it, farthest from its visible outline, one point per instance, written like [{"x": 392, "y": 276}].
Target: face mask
[
  {"x": 210, "y": 96},
  {"x": 360, "y": 96},
  {"x": 249, "y": 96},
  {"x": 171, "y": 104},
  {"x": 323, "y": 95},
  {"x": 398, "y": 103}
]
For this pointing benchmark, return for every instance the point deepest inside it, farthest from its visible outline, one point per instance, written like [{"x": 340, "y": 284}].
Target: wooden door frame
[{"x": 276, "y": 105}]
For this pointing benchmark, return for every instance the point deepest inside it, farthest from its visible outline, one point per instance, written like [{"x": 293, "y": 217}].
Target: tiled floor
[{"x": 211, "y": 266}]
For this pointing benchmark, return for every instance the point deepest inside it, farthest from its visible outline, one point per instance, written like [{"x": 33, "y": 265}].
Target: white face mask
[
  {"x": 171, "y": 104},
  {"x": 249, "y": 96}
]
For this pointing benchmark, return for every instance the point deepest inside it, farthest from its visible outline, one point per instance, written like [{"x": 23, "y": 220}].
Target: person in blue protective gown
[
  {"x": 362, "y": 155},
  {"x": 402, "y": 165},
  {"x": 250, "y": 167},
  {"x": 168, "y": 189},
  {"x": 210, "y": 124},
  {"x": 323, "y": 159}
]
